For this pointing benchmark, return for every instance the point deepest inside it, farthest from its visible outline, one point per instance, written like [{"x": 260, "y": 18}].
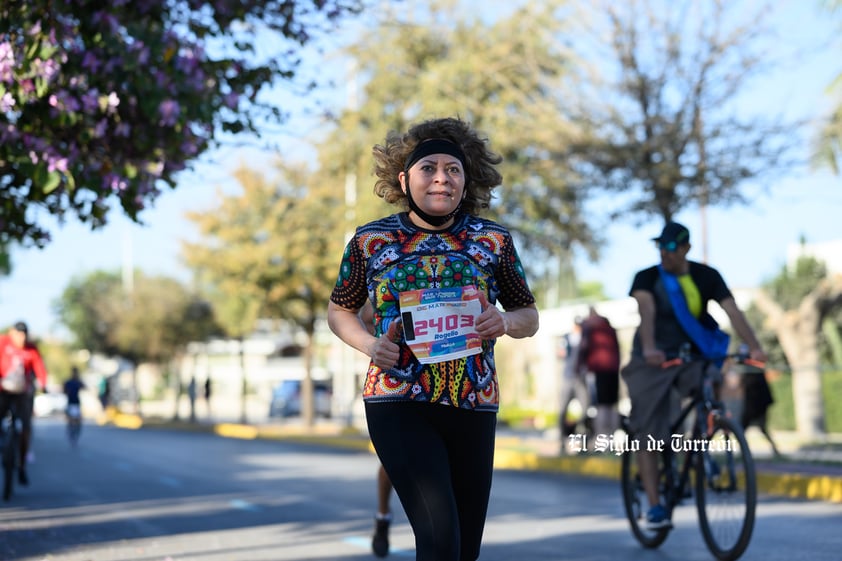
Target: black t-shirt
[
  {"x": 669, "y": 335},
  {"x": 71, "y": 389}
]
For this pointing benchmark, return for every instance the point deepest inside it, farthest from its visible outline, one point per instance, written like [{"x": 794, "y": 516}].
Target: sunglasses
[{"x": 668, "y": 246}]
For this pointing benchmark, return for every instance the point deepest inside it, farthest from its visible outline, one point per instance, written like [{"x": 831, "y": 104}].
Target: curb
[{"x": 816, "y": 487}]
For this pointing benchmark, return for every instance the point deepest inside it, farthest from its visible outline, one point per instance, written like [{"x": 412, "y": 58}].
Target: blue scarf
[{"x": 711, "y": 341}]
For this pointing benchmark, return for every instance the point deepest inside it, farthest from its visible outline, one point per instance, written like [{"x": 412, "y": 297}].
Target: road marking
[
  {"x": 364, "y": 542},
  {"x": 244, "y": 505}
]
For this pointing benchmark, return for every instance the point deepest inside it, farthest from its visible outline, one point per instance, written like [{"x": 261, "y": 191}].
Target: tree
[
  {"x": 90, "y": 307},
  {"x": 829, "y": 143},
  {"x": 152, "y": 323},
  {"x": 667, "y": 132},
  {"x": 105, "y": 102},
  {"x": 510, "y": 77},
  {"x": 799, "y": 304},
  {"x": 271, "y": 245},
  {"x": 5, "y": 260}
]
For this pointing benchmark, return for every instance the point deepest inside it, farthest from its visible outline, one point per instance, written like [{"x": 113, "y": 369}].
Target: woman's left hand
[{"x": 491, "y": 323}]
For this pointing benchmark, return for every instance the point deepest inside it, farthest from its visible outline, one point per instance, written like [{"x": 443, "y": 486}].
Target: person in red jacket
[
  {"x": 20, "y": 365},
  {"x": 599, "y": 353}
]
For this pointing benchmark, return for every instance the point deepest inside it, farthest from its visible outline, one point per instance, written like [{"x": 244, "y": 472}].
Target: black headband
[{"x": 434, "y": 146}]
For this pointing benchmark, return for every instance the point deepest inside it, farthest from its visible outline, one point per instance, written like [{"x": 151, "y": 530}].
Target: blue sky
[{"x": 747, "y": 243}]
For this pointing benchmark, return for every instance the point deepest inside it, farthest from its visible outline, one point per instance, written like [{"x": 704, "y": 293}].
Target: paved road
[{"x": 158, "y": 495}]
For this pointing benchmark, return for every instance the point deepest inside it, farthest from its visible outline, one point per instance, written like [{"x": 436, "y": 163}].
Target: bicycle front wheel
[
  {"x": 9, "y": 460},
  {"x": 726, "y": 490}
]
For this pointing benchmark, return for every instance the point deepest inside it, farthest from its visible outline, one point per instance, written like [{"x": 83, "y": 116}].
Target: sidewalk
[{"x": 810, "y": 471}]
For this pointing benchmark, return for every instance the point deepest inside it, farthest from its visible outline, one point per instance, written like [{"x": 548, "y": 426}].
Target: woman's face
[{"x": 437, "y": 183}]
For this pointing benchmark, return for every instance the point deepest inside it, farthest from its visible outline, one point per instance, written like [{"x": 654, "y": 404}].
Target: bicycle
[
  {"x": 725, "y": 482},
  {"x": 10, "y": 429},
  {"x": 74, "y": 423}
]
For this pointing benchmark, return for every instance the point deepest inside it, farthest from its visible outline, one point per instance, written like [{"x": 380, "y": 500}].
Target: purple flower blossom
[
  {"x": 9, "y": 134},
  {"x": 90, "y": 101},
  {"x": 100, "y": 128},
  {"x": 142, "y": 52},
  {"x": 114, "y": 182},
  {"x": 56, "y": 164},
  {"x": 113, "y": 64},
  {"x": 231, "y": 99},
  {"x": 7, "y": 63},
  {"x": 7, "y": 102},
  {"x": 168, "y": 111},
  {"x": 45, "y": 68},
  {"x": 28, "y": 86},
  {"x": 91, "y": 63},
  {"x": 107, "y": 20}
]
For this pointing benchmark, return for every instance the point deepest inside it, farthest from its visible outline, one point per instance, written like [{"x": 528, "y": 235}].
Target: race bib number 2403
[{"x": 440, "y": 323}]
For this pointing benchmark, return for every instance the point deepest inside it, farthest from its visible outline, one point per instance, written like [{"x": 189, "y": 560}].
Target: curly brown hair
[{"x": 480, "y": 162}]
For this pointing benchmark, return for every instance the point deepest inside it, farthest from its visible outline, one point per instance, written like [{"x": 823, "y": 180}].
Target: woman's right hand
[{"x": 385, "y": 351}]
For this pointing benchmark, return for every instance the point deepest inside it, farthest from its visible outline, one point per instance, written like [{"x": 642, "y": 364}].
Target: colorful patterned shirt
[{"x": 392, "y": 255}]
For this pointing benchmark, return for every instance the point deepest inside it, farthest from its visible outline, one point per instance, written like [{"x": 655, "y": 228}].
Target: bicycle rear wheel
[
  {"x": 726, "y": 491},
  {"x": 635, "y": 502},
  {"x": 75, "y": 430}
]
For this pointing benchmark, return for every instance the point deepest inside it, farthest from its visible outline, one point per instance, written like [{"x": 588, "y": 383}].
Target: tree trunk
[
  {"x": 798, "y": 333},
  {"x": 176, "y": 381},
  {"x": 308, "y": 413},
  {"x": 244, "y": 386}
]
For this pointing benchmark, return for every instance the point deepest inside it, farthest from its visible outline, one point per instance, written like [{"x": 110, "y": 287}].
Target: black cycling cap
[{"x": 21, "y": 326}]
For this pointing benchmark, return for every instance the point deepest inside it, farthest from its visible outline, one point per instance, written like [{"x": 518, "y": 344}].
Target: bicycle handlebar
[{"x": 742, "y": 359}]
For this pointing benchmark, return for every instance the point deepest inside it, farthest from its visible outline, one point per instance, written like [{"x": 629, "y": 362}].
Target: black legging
[{"x": 440, "y": 461}]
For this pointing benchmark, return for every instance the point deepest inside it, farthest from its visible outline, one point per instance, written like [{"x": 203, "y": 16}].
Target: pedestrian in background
[
  {"x": 757, "y": 395},
  {"x": 573, "y": 386},
  {"x": 208, "y": 390},
  {"x": 431, "y": 406},
  {"x": 599, "y": 355}
]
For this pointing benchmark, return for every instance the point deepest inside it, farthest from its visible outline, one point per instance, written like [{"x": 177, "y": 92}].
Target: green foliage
[
  {"x": 792, "y": 284},
  {"x": 151, "y": 322},
  {"x": 90, "y": 307},
  {"x": 509, "y": 78},
  {"x": 5, "y": 260},
  {"x": 781, "y": 415},
  {"x": 591, "y": 290},
  {"x": 104, "y": 102},
  {"x": 788, "y": 288},
  {"x": 58, "y": 359},
  {"x": 832, "y": 392},
  {"x": 270, "y": 251},
  {"x": 521, "y": 417}
]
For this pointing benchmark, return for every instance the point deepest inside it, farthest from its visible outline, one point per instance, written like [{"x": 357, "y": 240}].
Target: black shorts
[
  {"x": 607, "y": 387},
  {"x": 23, "y": 406}
]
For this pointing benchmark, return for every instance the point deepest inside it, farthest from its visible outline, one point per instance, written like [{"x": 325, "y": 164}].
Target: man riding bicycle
[
  {"x": 72, "y": 387},
  {"x": 20, "y": 363},
  {"x": 672, "y": 300}
]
